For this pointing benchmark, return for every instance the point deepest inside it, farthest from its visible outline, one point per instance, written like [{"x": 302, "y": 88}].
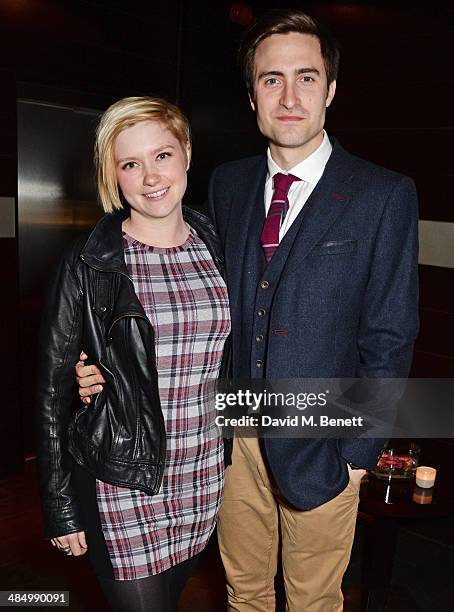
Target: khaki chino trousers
[{"x": 254, "y": 520}]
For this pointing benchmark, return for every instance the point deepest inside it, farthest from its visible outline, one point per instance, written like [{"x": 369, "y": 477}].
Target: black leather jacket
[{"x": 119, "y": 437}]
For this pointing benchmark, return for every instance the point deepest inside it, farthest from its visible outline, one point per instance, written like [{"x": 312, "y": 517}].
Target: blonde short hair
[{"x": 121, "y": 115}]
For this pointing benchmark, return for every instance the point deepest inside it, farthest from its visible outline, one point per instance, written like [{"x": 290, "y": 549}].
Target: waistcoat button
[
  {"x": 259, "y": 338},
  {"x": 261, "y": 312},
  {"x": 259, "y": 363},
  {"x": 264, "y": 284}
]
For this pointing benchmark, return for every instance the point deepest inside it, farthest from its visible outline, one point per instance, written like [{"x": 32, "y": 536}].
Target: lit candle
[{"x": 425, "y": 476}]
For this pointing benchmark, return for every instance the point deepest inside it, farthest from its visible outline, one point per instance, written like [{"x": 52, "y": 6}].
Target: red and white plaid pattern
[{"x": 186, "y": 301}]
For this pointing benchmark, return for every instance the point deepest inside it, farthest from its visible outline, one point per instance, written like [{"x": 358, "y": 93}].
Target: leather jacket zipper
[{"x": 163, "y": 427}]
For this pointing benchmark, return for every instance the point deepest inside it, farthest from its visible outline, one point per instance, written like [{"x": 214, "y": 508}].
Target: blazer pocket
[{"x": 336, "y": 247}]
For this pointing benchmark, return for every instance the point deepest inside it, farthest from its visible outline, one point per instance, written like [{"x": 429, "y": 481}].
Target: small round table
[{"x": 383, "y": 505}]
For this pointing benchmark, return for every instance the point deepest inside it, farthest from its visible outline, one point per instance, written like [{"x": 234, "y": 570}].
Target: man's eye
[
  {"x": 308, "y": 79},
  {"x": 164, "y": 155},
  {"x": 271, "y": 81}
]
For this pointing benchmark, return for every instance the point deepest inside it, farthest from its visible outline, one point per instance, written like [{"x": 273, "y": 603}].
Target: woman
[{"x": 136, "y": 477}]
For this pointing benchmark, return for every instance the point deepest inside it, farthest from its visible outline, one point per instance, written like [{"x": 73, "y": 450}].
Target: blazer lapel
[
  {"x": 328, "y": 200},
  {"x": 244, "y": 257},
  {"x": 243, "y": 234}
]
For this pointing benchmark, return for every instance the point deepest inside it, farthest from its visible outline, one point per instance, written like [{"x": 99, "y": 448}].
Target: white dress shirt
[{"x": 309, "y": 171}]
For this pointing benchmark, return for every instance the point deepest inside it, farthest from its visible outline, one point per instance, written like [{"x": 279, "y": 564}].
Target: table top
[{"x": 395, "y": 498}]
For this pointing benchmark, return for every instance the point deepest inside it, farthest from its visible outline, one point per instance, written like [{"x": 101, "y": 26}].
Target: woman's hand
[
  {"x": 88, "y": 379},
  {"x": 71, "y": 544}
]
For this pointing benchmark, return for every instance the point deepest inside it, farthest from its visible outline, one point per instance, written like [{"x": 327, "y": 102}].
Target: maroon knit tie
[{"x": 279, "y": 205}]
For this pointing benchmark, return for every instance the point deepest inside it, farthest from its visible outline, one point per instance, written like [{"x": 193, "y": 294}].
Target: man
[
  {"x": 321, "y": 259},
  {"x": 338, "y": 298}
]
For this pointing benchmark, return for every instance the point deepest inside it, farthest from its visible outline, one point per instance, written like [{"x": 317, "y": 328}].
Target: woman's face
[{"x": 151, "y": 170}]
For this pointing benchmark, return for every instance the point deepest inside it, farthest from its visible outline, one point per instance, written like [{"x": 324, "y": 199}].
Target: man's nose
[{"x": 289, "y": 97}]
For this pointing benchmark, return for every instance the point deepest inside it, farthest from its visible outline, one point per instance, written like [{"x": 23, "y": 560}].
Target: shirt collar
[{"x": 311, "y": 168}]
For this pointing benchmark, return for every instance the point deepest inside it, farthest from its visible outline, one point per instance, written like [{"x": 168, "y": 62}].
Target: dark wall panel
[
  {"x": 434, "y": 355},
  {"x": 106, "y": 47},
  {"x": 436, "y": 335},
  {"x": 435, "y": 195},
  {"x": 407, "y": 151},
  {"x": 393, "y": 106},
  {"x": 56, "y": 203},
  {"x": 8, "y": 169},
  {"x": 81, "y": 53},
  {"x": 388, "y": 105},
  {"x": 11, "y": 447}
]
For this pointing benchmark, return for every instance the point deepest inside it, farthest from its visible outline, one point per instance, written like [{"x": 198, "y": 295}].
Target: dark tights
[{"x": 158, "y": 593}]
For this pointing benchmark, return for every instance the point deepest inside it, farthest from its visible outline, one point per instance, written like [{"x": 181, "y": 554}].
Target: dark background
[{"x": 393, "y": 106}]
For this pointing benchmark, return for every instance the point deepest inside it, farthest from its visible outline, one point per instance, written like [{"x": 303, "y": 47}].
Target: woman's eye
[
  {"x": 163, "y": 155},
  {"x": 128, "y": 165}
]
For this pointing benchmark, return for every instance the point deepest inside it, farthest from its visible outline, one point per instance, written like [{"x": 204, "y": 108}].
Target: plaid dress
[{"x": 186, "y": 301}]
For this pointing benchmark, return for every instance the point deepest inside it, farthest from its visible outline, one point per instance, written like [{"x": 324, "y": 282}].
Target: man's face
[{"x": 291, "y": 95}]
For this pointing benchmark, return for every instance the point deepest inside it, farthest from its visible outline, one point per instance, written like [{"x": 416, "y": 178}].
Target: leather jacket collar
[{"x": 104, "y": 247}]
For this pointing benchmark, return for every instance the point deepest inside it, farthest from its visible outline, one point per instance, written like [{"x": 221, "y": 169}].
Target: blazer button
[
  {"x": 259, "y": 338},
  {"x": 264, "y": 284},
  {"x": 261, "y": 312},
  {"x": 103, "y": 308},
  {"x": 259, "y": 363}
]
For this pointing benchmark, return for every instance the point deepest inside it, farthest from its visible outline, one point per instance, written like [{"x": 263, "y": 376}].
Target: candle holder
[{"x": 425, "y": 476}]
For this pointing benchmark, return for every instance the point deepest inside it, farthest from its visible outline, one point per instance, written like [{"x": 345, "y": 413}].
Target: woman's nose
[{"x": 151, "y": 176}]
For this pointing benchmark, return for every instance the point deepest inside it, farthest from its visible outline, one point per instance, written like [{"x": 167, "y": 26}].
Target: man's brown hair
[{"x": 283, "y": 21}]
